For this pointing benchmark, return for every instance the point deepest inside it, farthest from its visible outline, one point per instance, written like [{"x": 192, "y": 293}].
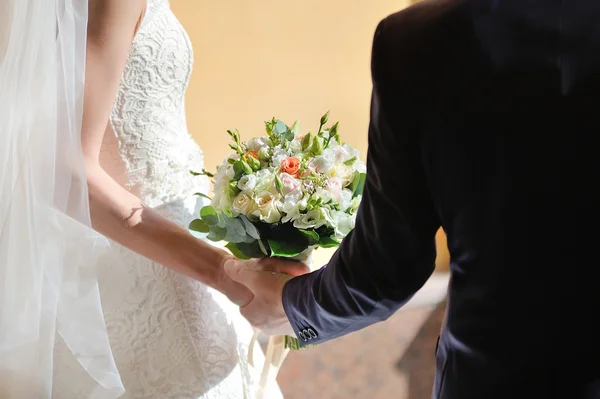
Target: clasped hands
[{"x": 261, "y": 304}]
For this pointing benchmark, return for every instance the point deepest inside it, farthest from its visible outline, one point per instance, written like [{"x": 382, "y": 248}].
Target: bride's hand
[{"x": 236, "y": 292}]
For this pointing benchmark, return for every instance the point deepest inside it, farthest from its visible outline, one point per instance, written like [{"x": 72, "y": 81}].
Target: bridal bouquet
[{"x": 284, "y": 194}]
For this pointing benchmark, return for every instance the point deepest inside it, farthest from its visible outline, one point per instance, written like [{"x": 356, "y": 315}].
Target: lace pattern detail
[
  {"x": 149, "y": 113},
  {"x": 172, "y": 337}
]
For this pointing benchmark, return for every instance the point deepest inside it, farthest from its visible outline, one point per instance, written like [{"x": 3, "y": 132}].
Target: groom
[{"x": 481, "y": 122}]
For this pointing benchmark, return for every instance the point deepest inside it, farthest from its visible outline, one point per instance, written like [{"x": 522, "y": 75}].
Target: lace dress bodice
[
  {"x": 148, "y": 117},
  {"x": 172, "y": 337}
]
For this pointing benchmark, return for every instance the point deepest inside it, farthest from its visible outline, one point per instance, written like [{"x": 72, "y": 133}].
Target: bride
[
  {"x": 172, "y": 327},
  {"x": 172, "y": 333}
]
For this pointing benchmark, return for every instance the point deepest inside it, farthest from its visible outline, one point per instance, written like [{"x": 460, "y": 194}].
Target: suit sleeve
[{"x": 391, "y": 252}]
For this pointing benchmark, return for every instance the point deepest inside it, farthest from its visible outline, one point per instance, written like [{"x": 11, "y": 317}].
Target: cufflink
[
  {"x": 302, "y": 336},
  {"x": 312, "y": 333}
]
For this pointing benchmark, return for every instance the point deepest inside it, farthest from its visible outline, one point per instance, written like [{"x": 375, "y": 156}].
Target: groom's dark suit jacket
[{"x": 484, "y": 121}]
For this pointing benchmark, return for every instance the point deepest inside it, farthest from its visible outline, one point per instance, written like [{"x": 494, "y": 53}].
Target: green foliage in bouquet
[{"x": 256, "y": 238}]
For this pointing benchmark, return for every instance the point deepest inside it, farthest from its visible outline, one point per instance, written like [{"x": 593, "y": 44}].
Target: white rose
[
  {"x": 257, "y": 143},
  {"x": 264, "y": 180},
  {"x": 247, "y": 182},
  {"x": 267, "y": 208},
  {"x": 312, "y": 219},
  {"x": 345, "y": 173},
  {"x": 333, "y": 185},
  {"x": 243, "y": 204},
  {"x": 290, "y": 183}
]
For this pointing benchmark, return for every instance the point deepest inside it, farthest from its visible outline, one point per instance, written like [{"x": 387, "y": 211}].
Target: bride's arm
[{"x": 116, "y": 212}]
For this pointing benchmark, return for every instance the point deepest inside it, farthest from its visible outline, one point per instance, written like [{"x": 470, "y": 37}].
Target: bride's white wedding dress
[{"x": 172, "y": 337}]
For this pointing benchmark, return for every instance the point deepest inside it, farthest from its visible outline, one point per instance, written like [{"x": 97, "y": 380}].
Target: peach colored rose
[{"x": 290, "y": 165}]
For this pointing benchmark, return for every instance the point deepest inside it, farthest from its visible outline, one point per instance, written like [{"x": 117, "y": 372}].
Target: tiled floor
[{"x": 389, "y": 360}]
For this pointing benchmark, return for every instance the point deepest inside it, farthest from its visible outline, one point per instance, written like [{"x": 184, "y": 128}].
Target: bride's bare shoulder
[{"x": 107, "y": 15}]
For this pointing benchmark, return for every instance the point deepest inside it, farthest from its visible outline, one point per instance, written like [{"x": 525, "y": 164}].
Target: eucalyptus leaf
[
  {"x": 288, "y": 135},
  {"x": 234, "y": 236},
  {"x": 251, "y": 230},
  {"x": 209, "y": 215},
  {"x": 235, "y": 230},
  {"x": 217, "y": 234},
  {"x": 280, "y": 128},
  {"x": 199, "y": 226}
]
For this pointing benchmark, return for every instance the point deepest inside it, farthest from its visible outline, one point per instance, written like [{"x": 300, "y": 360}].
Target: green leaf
[
  {"x": 235, "y": 250},
  {"x": 279, "y": 185},
  {"x": 235, "y": 230},
  {"x": 203, "y": 196},
  {"x": 288, "y": 135},
  {"x": 350, "y": 162},
  {"x": 295, "y": 128},
  {"x": 245, "y": 250},
  {"x": 306, "y": 141},
  {"x": 199, "y": 226},
  {"x": 209, "y": 215},
  {"x": 313, "y": 236},
  {"x": 217, "y": 233},
  {"x": 251, "y": 230},
  {"x": 328, "y": 242},
  {"x": 286, "y": 249},
  {"x": 358, "y": 184},
  {"x": 280, "y": 128}
]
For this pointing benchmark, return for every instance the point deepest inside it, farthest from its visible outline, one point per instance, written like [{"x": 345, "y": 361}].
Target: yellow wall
[{"x": 288, "y": 59}]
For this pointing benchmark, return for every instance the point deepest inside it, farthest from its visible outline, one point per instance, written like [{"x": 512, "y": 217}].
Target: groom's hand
[{"x": 266, "y": 279}]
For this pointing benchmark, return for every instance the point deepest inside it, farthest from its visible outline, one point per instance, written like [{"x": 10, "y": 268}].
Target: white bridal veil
[{"x": 48, "y": 286}]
